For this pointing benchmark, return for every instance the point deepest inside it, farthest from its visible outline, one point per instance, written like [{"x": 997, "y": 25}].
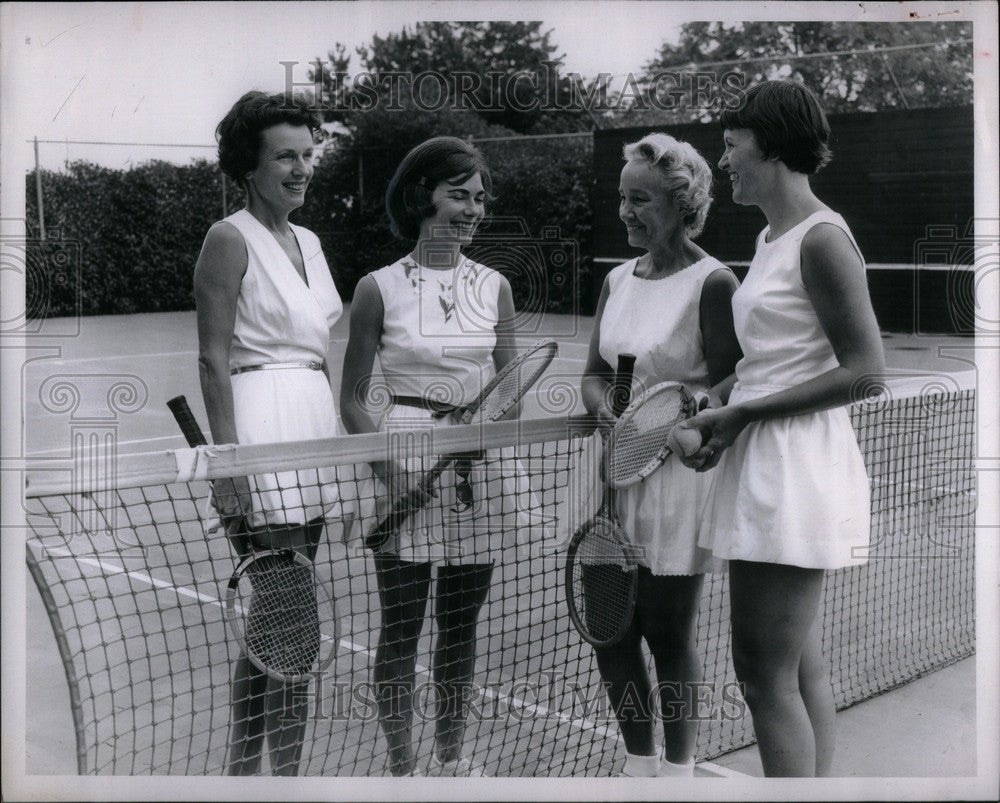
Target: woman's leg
[
  {"x": 402, "y": 588},
  {"x": 773, "y": 608},
  {"x": 623, "y": 670},
  {"x": 258, "y": 702},
  {"x": 817, "y": 694},
  {"x": 246, "y": 724},
  {"x": 262, "y": 706},
  {"x": 669, "y": 606},
  {"x": 287, "y": 704},
  {"x": 459, "y": 595}
]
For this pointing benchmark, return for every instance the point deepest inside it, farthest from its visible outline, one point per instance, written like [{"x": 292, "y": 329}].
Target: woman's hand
[
  {"x": 719, "y": 429},
  {"x": 231, "y": 498},
  {"x": 605, "y": 419},
  {"x": 401, "y": 483}
]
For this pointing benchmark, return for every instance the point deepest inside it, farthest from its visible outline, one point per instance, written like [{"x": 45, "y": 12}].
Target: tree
[
  {"x": 871, "y": 66},
  {"x": 506, "y": 73}
]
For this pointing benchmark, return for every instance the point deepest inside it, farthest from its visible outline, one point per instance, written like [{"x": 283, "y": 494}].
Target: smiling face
[
  {"x": 459, "y": 207},
  {"x": 749, "y": 172},
  {"x": 644, "y": 207},
  {"x": 284, "y": 166}
]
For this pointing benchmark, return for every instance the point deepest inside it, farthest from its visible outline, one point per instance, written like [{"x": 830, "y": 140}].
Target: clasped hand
[{"x": 719, "y": 429}]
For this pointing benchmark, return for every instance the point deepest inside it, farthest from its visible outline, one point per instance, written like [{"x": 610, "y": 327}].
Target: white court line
[
  {"x": 64, "y": 452},
  {"x": 188, "y": 353},
  {"x": 534, "y": 708},
  {"x": 42, "y": 363},
  {"x": 137, "y": 355},
  {"x": 722, "y": 772}
]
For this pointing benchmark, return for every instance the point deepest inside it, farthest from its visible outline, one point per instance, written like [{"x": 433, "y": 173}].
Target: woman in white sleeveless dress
[
  {"x": 670, "y": 308},
  {"x": 266, "y": 303},
  {"x": 441, "y": 326},
  {"x": 791, "y": 496}
]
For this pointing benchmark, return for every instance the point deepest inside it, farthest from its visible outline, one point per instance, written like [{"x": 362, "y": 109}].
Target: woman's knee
[
  {"x": 764, "y": 680},
  {"x": 668, "y": 610},
  {"x": 459, "y": 601}
]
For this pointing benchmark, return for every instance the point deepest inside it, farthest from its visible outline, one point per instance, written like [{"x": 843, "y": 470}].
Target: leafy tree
[
  {"x": 498, "y": 77},
  {"x": 506, "y": 73},
  {"x": 824, "y": 55}
]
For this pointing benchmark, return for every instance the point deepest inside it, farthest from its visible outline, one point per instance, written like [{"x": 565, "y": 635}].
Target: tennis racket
[
  {"x": 602, "y": 571},
  {"x": 638, "y": 442},
  {"x": 500, "y": 396},
  {"x": 235, "y": 526},
  {"x": 284, "y": 620}
]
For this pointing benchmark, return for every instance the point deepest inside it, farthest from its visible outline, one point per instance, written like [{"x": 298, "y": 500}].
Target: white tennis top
[
  {"x": 278, "y": 317},
  {"x": 658, "y": 320},
  {"x": 438, "y": 329},
  {"x": 777, "y": 326}
]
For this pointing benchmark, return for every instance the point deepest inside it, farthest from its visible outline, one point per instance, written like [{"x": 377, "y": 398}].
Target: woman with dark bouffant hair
[
  {"x": 266, "y": 303},
  {"x": 442, "y": 325},
  {"x": 790, "y": 494}
]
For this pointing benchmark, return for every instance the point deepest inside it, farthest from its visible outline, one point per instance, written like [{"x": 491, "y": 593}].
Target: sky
[{"x": 167, "y": 73}]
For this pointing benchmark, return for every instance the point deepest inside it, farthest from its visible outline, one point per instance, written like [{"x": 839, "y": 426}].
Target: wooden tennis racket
[
  {"x": 285, "y": 622},
  {"x": 639, "y": 443},
  {"x": 602, "y": 571},
  {"x": 500, "y": 395}
]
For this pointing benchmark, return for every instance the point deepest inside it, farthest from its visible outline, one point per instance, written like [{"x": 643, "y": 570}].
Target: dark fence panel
[{"x": 897, "y": 177}]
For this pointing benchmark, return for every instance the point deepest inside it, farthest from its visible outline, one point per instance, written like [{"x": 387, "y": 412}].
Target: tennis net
[{"x": 133, "y": 586}]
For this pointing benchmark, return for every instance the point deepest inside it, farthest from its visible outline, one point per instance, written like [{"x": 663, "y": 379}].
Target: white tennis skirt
[
  {"x": 290, "y": 405},
  {"x": 792, "y": 491},
  {"x": 663, "y": 514},
  {"x": 495, "y": 510}
]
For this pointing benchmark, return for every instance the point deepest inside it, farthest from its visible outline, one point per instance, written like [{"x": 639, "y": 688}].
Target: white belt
[{"x": 312, "y": 365}]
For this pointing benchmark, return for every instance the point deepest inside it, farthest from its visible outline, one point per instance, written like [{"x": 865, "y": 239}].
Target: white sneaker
[
  {"x": 668, "y": 769},
  {"x": 461, "y": 767},
  {"x": 639, "y": 767}
]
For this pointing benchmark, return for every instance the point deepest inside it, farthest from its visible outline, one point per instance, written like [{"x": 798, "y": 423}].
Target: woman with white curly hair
[{"x": 671, "y": 308}]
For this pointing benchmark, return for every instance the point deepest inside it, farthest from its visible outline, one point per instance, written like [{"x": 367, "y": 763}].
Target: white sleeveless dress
[
  {"x": 280, "y": 319},
  {"x": 790, "y": 490},
  {"x": 438, "y": 337},
  {"x": 658, "y": 321}
]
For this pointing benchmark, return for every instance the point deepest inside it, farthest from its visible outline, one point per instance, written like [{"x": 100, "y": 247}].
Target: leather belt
[{"x": 439, "y": 409}]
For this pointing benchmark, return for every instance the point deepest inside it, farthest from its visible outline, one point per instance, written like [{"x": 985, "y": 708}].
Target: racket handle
[
  {"x": 376, "y": 539},
  {"x": 187, "y": 422},
  {"x": 195, "y": 437},
  {"x": 621, "y": 391},
  {"x": 405, "y": 506}
]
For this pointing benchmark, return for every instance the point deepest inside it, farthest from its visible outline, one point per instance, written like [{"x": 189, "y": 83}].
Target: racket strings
[
  {"x": 640, "y": 439},
  {"x": 282, "y": 630},
  {"x": 514, "y": 384},
  {"x": 603, "y": 582}
]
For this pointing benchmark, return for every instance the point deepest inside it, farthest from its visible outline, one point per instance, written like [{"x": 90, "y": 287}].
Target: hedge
[{"x": 139, "y": 231}]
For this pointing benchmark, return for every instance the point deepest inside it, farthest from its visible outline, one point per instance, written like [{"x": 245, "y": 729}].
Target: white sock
[
  {"x": 670, "y": 770},
  {"x": 641, "y": 766}
]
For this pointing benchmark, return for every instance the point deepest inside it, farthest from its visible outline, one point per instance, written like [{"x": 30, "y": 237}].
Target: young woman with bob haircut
[
  {"x": 441, "y": 325},
  {"x": 790, "y": 496}
]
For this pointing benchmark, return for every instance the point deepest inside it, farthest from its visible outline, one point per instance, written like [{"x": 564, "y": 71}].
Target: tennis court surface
[{"x": 134, "y": 586}]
